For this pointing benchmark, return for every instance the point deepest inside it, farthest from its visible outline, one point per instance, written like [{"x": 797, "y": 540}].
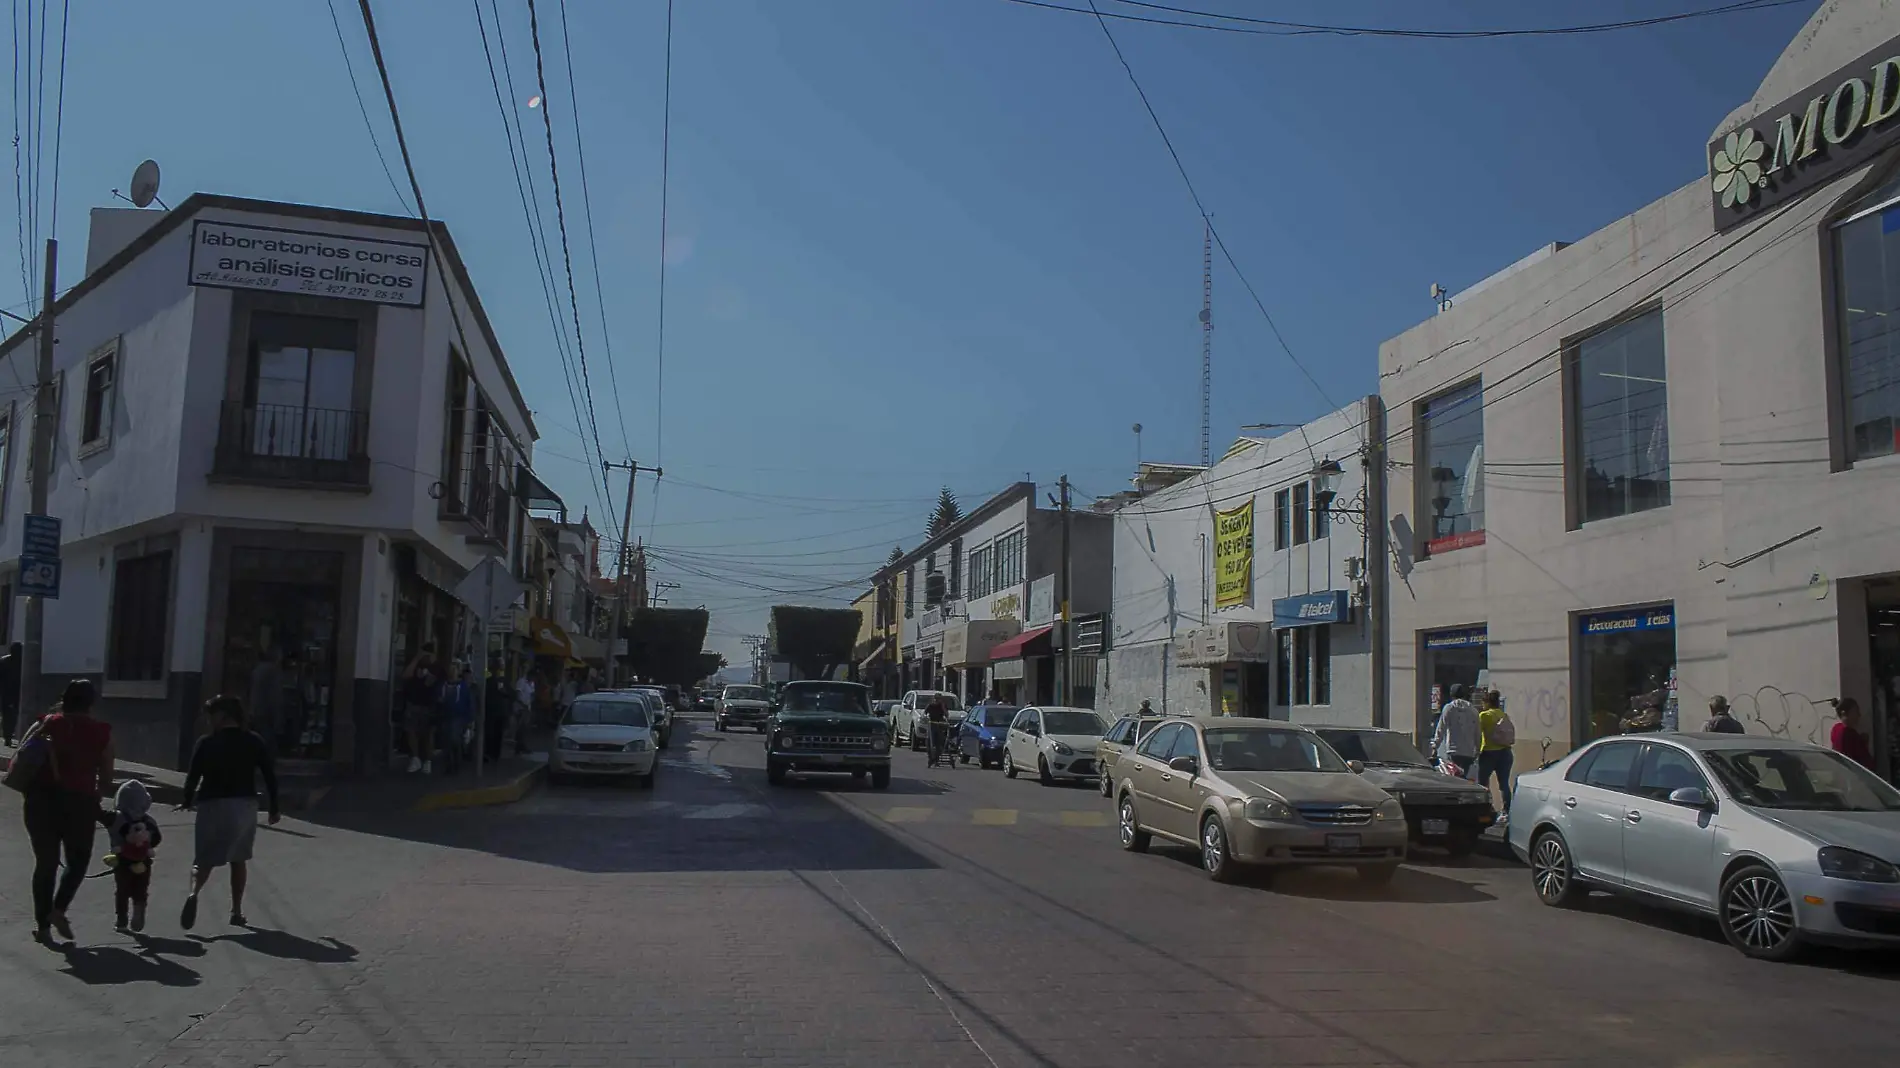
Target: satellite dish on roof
[{"x": 145, "y": 184}]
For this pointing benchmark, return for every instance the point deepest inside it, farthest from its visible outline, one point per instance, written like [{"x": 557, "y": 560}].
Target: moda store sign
[
  {"x": 234, "y": 256},
  {"x": 1831, "y": 127}
]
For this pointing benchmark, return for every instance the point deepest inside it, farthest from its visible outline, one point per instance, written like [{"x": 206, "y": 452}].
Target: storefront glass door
[
  {"x": 1625, "y": 659},
  {"x": 1450, "y": 658},
  {"x": 284, "y": 604}
]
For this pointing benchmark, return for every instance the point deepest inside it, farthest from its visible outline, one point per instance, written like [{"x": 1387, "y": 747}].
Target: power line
[
  {"x": 659, "y": 351},
  {"x": 375, "y": 142},
  {"x": 1260, "y": 27},
  {"x": 593, "y": 242},
  {"x": 1201, "y": 206},
  {"x": 19, "y": 178},
  {"x": 59, "y": 113}
]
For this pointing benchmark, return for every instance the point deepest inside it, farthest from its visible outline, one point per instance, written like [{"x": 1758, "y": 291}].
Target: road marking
[
  {"x": 994, "y": 817},
  {"x": 907, "y": 815},
  {"x": 731, "y": 811},
  {"x": 1084, "y": 819}
]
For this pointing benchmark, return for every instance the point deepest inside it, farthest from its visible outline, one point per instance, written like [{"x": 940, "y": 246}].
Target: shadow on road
[
  {"x": 1410, "y": 886},
  {"x": 286, "y": 946},
  {"x": 1872, "y": 964},
  {"x": 117, "y": 966}
]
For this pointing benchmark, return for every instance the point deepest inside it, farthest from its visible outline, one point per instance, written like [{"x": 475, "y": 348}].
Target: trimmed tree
[{"x": 947, "y": 514}]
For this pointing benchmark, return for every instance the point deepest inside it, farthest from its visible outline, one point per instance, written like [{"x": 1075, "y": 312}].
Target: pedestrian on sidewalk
[
  {"x": 222, "y": 785},
  {"x": 458, "y": 716},
  {"x": 1496, "y": 736},
  {"x": 134, "y": 834},
  {"x": 497, "y": 711},
  {"x": 419, "y": 683},
  {"x": 525, "y": 688},
  {"x": 1847, "y": 738},
  {"x": 61, "y": 806},
  {"x": 10, "y": 691},
  {"x": 1720, "y": 722},
  {"x": 1455, "y": 739}
]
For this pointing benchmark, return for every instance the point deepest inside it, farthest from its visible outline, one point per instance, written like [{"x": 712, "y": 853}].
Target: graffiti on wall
[{"x": 1782, "y": 713}]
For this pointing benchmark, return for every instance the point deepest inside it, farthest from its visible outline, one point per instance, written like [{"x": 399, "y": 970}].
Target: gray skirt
[{"x": 226, "y": 831}]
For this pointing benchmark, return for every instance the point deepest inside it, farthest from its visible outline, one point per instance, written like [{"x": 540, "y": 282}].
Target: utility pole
[
  {"x": 1377, "y": 573},
  {"x": 32, "y": 700},
  {"x": 1066, "y": 680},
  {"x": 626, "y": 535}
]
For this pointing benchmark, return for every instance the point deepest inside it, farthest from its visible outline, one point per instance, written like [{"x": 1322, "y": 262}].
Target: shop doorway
[
  {"x": 1883, "y": 637},
  {"x": 283, "y": 610},
  {"x": 1626, "y": 660},
  {"x": 1447, "y": 658}
]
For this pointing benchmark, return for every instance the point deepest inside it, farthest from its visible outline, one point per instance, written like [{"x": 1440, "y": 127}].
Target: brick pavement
[{"x": 958, "y": 919}]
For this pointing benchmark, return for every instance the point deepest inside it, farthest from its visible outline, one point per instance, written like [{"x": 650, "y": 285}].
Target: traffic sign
[{"x": 39, "y": 557}]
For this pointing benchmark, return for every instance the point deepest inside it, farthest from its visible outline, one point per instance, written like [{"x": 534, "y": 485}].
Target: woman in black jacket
[{"x": 222, "y": 786}]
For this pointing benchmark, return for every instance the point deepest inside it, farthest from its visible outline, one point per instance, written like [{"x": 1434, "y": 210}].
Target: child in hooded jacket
[{"x": 135, "y": 836}]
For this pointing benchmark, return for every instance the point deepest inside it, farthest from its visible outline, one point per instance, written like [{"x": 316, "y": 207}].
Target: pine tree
[
  {"x": 948, "y": 513},
  {"x": 897, "y": 553}
]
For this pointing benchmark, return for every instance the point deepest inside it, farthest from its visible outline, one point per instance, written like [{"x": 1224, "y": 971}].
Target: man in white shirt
[
  {"x": 524, "y": 710},
  {"x": 1455, "y": 739}
]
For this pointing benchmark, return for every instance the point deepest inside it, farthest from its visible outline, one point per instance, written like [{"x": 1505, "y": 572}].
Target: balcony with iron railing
[{"x": 293, "y": 445}]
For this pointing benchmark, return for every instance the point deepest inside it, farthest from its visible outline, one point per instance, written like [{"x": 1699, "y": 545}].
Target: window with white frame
[
  {"x": 1282, "y": 520},
  {"x": 1451, "y": 458},
  {"x": 141, "y": 614},
  {"x": 95, "y": 422}
]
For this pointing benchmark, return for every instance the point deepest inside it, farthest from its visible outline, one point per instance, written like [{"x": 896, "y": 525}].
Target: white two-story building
[{"x": 283, "y": 433}]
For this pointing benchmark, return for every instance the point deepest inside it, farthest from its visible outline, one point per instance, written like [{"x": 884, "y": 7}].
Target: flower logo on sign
[{"x": 1736, "y": 167}]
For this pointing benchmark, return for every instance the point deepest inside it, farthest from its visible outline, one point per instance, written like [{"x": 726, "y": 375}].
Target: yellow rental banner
[{"x": 1233, "y": 556}]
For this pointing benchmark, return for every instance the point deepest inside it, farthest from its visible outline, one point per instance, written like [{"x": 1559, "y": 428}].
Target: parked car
[
  {"x": 1058, "y": 742},
  {"x": 1120, "y": 739},
  {"x": 1440, "y": 810},
  {"x": 1255, "y": 792},
  {"x": 885, "y": 710},
  {"x": 606, "y": 734},
  {"x": 985, "y": 734},
  {"x": 1784, "y": 843},
  {"x": 661, "y": 711},
  {"x": 822, "y": 726},
  {"x": 914, "y": 725},
  {"x": 706, "y": 700},
  {"x": 742, "y": 706}
]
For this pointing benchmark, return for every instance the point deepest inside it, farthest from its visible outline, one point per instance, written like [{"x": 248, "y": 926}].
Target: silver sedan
[{"x": 1783, "y": 843}]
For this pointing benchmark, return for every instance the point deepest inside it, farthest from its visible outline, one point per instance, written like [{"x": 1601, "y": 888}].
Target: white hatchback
[
  {"x": 1059, "y": 743},
  {"x": 605, "y": 734}
]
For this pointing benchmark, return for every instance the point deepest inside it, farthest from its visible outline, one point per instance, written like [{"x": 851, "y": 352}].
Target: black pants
[
  {"x": 9, "y": 719},
  {"x": 56, "y": 821},
  {"x": 130, "y": 887}
]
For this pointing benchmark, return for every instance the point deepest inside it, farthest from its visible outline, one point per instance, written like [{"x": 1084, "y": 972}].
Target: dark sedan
[{"x": 1440, "y": 810}]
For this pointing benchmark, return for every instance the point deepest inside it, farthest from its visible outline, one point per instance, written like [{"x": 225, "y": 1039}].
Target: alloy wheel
[
  {"x": 1758, "y": 913},
  {"x": 1213, "y": 849},
  {"x": 1551, "y": 873}
]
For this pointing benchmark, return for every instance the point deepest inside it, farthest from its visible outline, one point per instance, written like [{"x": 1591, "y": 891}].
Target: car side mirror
[
  {"x": 1185, "y": 764},
  {"x": 1358, "y": 766},
  {"x": 1691, "y": 796}
]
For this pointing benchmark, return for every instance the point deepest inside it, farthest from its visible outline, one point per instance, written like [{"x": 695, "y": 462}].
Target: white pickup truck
[{"x": 913, "y": 726}]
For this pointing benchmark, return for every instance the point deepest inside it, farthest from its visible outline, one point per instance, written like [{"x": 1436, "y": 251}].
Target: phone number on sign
[{"x": 328, "y": 289}]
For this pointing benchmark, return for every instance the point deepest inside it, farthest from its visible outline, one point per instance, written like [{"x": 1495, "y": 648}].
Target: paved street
[{"x": 957, "y": 919}]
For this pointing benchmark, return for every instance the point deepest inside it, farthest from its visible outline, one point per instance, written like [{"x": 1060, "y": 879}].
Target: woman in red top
[
  {"x": 1847, "y": 738},
  {"x": 62, "y": 807}
]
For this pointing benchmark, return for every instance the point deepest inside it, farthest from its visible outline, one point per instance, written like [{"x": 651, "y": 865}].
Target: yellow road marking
[
  {"x": 1085, "y": 819},
  {"x": 907, "y": 815},
  {"x": 994, "y": 817}
]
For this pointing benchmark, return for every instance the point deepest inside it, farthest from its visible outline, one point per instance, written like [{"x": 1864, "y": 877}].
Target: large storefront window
[
  {"x": 1626, "y": 659},
  {"x": 1450, "y": 658},
  {"x": 1619, "y": 420},
  {"x": 1451, "y": 445},
  {"x": 281, "y": 644},
  {"x": 1868, "y": 244}
]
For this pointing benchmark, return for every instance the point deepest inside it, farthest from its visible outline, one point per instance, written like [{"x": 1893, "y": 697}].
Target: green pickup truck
[{"x": 826, "y": 727}]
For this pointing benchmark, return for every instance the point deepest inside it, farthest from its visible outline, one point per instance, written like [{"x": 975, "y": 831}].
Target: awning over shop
[
  {"x": 535, "y": 493},
  {"x": 550, "y": 639},
  {"x": 877, "y": 650},
  {"x": 1229, "y": 642},
  {"x": 967, "y": 644},
  {"x": 585, "y": 648},
  {"x": 1029, "y": 643}
]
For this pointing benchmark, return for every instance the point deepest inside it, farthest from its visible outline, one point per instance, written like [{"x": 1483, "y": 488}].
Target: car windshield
[
  {"x": 838, "y": 697},
  {"x": 744, "y": 693},
  {"x": 1811, "y": 779},
  {"x": 1266, "y": 749},
  {"x": 1375, "y": 747},
  {"x": 996, "y": 715},
  {"x": 947, "y": 700},
  {"x": 601, "y": 712},
  {"x": 1071, "y": 723}
]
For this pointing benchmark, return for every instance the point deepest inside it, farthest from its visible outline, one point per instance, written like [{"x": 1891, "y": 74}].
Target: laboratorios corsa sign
[
  {"x": 1233, "y": 556},
  {"x": 1832, "y": 126}
]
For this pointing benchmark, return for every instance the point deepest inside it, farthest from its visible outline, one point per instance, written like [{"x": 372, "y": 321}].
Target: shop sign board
[
  {"x": 1311, "y": 609},
  {"x": 1042, "y": 601},
  {"x": 234, "y": 256},
  {"x": 1465, "y": 638},
  {"x": 1230, "y": 642},
  {"x": 1807, "y": 140},
  {"x": 1233, "y": 556},
  {"x": 1659, "y": 618},
  {"x": 39, "y": 557},
  {"x": 970, "y": 643}
]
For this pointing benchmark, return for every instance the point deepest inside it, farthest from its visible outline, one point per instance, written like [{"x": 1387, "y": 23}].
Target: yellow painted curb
[{"x": 506, "y": 793}]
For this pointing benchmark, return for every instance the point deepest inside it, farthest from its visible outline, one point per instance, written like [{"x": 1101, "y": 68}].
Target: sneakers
[
  {"x": 120, "y": 924},
  {"x": 188, "y": 916},
  {"x": 414, "y": 765},
  {"x": 60, "y": 924},
  {"x": 238, "y": 920},
  {"x": 428, "y": 767},
  {"x": 138, "y": 915}
]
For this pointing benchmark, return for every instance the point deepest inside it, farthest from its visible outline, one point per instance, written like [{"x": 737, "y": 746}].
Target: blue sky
[{"x": 919, "y": 242}]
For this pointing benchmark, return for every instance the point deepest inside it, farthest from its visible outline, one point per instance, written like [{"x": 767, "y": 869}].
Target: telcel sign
[{"x": 1830, "y": 127}]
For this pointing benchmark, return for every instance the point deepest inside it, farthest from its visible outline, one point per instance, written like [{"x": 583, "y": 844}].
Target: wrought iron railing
[{"x": 294, "y": 443}]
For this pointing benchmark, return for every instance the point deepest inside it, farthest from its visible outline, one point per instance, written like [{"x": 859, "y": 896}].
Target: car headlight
[
  {"x": 881, "y": 743},
  {"x": 564, "y": 742},
  {"x": 1063, "y": 750},
  {"x": 1853, "y": 864},
  {"x": 1267, "y": 808},
  {"x": 785, "y": 741},
  {"x": 1389, "y": 809},
  {"x": 638, "y": 745}
]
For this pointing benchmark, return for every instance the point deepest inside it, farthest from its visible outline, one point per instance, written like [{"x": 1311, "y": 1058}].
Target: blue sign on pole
[
  {"x": 39, "y": 557},
  {"x": 1311, "y": 609}
]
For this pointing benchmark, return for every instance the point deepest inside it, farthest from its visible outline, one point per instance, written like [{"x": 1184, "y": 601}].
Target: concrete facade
[
  {"x": 174, "y": 465},
  {"x": 1164, "y": 585},
  {"x": 1774, "y": 534}
]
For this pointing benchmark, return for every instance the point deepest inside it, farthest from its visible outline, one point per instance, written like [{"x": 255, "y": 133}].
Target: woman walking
[
  {"x": 222, "y": 784},
  {"x": 62, "y": 805}
]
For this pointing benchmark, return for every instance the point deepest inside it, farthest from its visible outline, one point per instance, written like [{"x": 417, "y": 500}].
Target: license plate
[
  {"x": 1342, "y": 843},
  {"x": 1435, "y": 826},
  {"x": 830, "y": 758}
]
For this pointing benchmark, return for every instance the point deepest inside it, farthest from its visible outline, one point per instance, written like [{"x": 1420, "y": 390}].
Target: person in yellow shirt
[{"x": 1496, "y": 735}]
